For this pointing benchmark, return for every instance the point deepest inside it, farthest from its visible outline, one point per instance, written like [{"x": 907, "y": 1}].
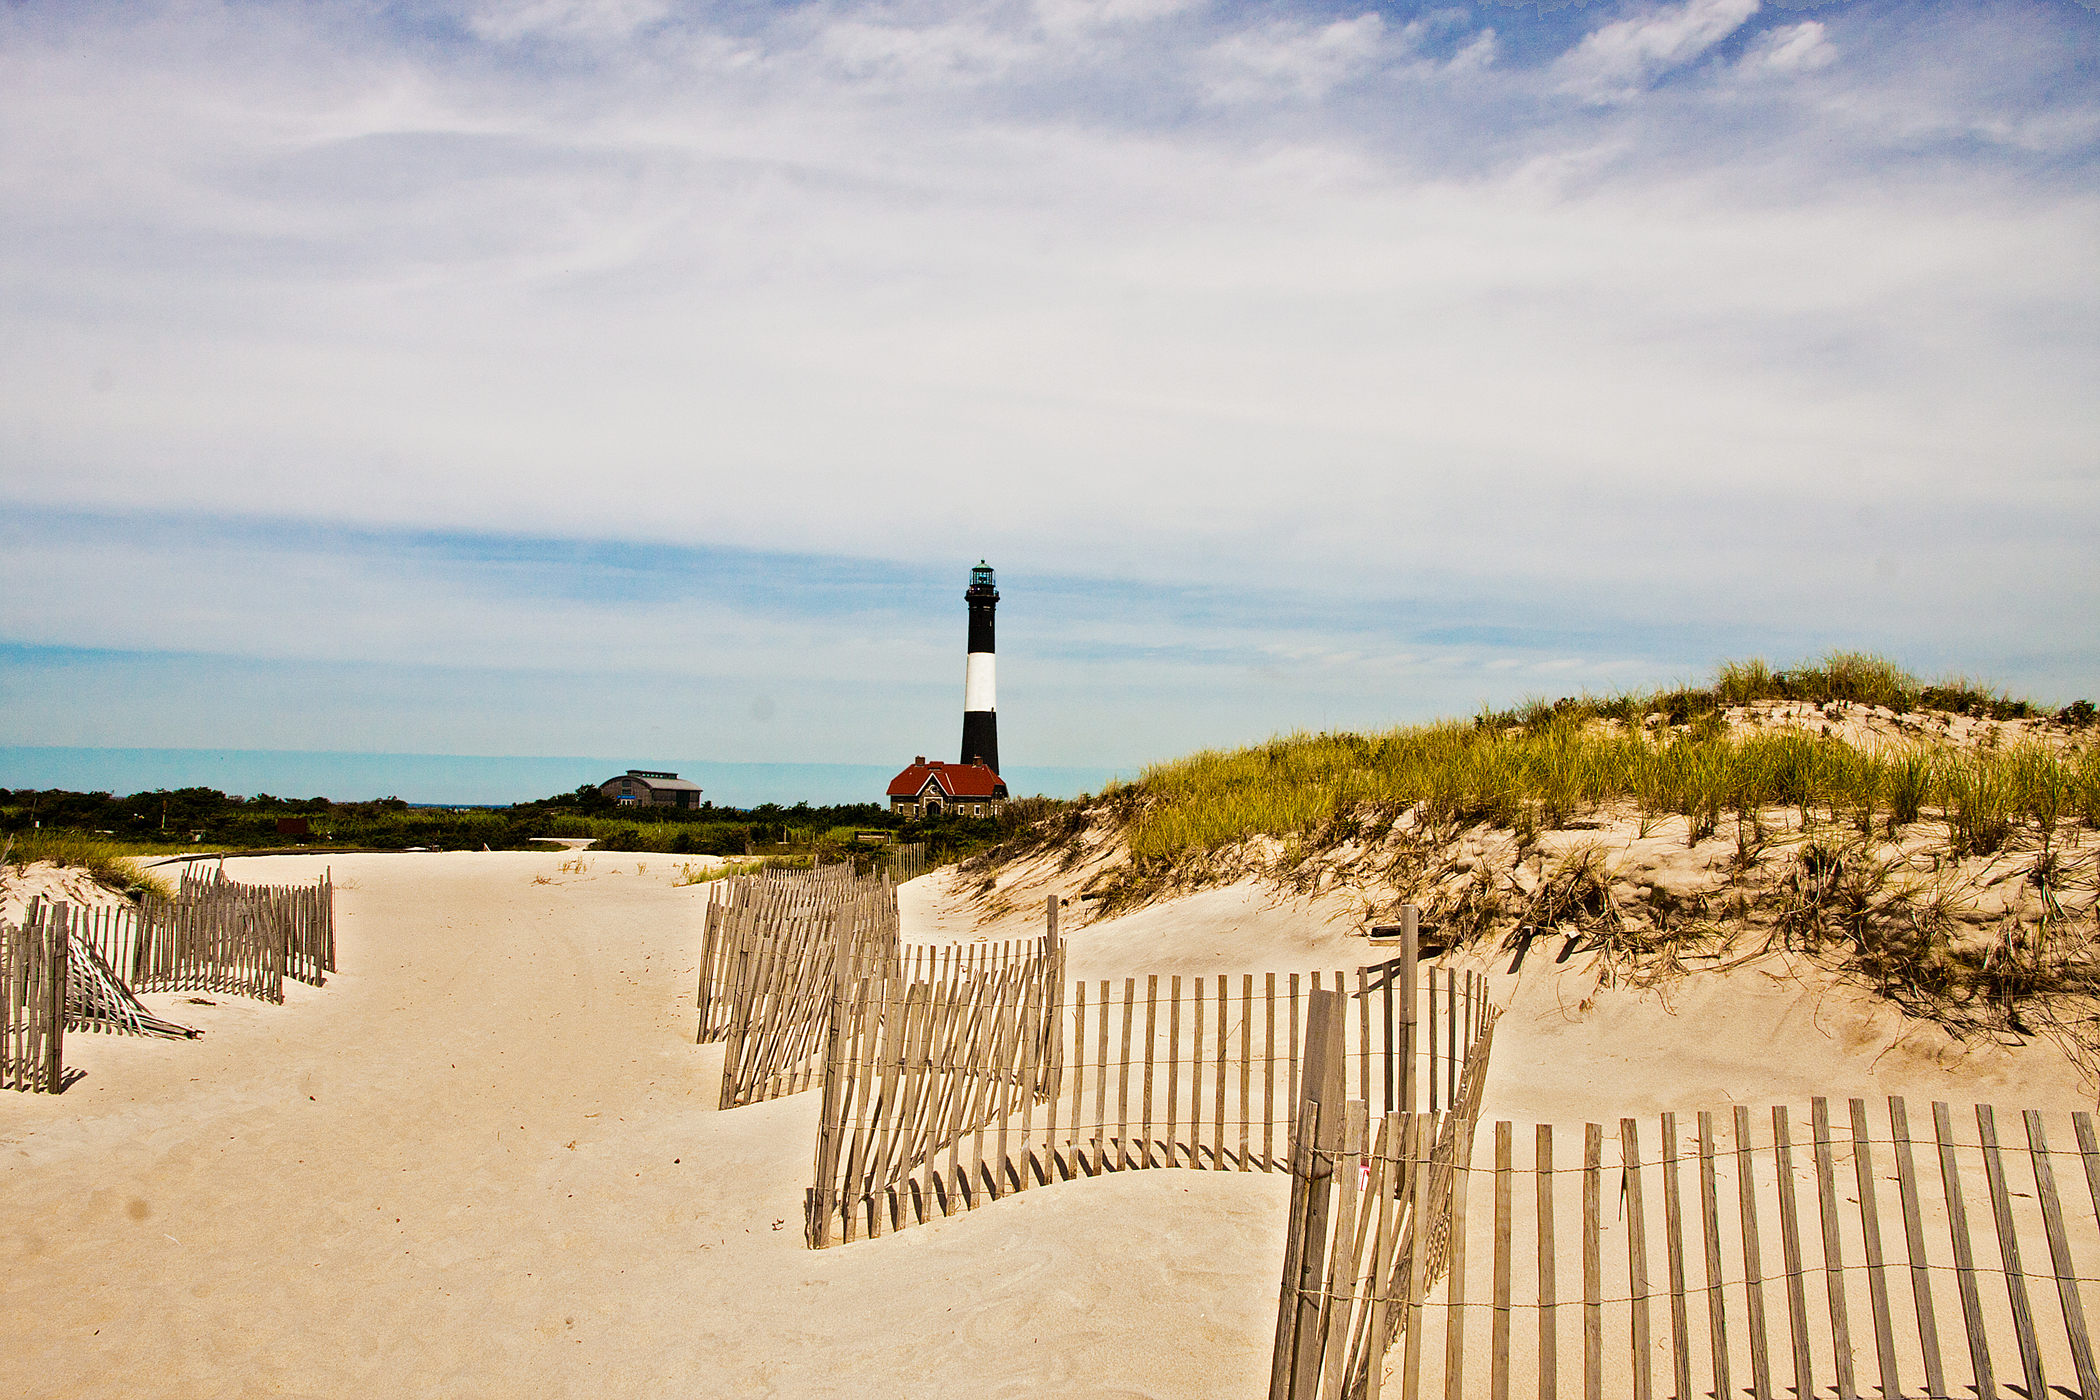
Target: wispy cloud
[
  {"x": 1292, "y": 58},
  {"x": 1619, "y": 60},
  {"x": 1793, "y": 48},
  {"x": 506, "y": 20}
]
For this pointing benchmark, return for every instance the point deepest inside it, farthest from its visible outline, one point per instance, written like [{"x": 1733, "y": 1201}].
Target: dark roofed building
[
  {"x": 965, "y": 789},
  {"x": 642, "y": 788}
]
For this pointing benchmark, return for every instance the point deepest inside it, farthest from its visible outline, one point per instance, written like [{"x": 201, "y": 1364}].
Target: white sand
[
  {"x": 1773, "y": 1033},
  {"x": 484, "y": 1161},
  {"x": 1241, "y": 927}
]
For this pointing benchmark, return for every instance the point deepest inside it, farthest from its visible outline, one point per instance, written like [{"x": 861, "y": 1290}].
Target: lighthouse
[{"x": 980, "y": 736}]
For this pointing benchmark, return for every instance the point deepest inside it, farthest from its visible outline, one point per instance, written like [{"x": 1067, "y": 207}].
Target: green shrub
[{"x": 1963, "y": 696}]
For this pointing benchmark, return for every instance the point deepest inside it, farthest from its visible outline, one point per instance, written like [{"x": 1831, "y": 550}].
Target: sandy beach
[{"x": 485, "y": 1160}]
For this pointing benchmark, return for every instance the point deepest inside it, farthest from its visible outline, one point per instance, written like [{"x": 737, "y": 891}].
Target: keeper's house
[
  {"x": 641, "y": 788},
  {"x": 963, "y": 789}
]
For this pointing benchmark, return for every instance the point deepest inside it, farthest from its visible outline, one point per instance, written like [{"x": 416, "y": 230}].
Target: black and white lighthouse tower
[{"x": 980, "y": 739}]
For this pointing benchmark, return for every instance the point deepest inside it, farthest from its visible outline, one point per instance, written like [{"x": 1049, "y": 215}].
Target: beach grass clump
[
  {"x": 1907, "y": 788},
  {"x": 1980, "y": 793},
  {"x": 2085, "y": 787},
  {"x": 1839, "y": 677},
  {"x": 105, "y": 861},
  {"x": 690, "y": 874}
]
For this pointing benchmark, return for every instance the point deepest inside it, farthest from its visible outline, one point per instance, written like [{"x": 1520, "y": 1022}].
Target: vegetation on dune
[
  {"x": 1670, "y": 754},
  {"x": 1335, "y": 787},
  {"x": 1950, "y": 868},
  {"x": 1838, "y": 678},
  {"x": 109, "y": 864}
]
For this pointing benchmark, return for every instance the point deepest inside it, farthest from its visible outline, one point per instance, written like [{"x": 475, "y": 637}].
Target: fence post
[
  {"x": 55, "y": 929},
  {"x": 1410, "y": 953},
  {"x": 1295, "y": 1368}
]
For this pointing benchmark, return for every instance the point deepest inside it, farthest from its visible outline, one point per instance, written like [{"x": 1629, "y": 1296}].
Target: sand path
[{"x": 484, "y": 1161}]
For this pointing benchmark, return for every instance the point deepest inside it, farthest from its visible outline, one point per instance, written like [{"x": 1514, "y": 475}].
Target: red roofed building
[{"x": 965, "y": 789}]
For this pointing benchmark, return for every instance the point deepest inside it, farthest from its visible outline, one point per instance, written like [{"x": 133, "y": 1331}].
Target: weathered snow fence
[
  {"x": 1940, "y": 1265},
  {"x": 768, "y": 958},
  {"x": 218, "y": 935},
  {"x": 955, "y": 1076},
  {"x": 1377, "y": 1218},
  {"x": 67, "y": 967},
  {"x": 33, "y": 974},
  {"x": 907, "y": 862}
]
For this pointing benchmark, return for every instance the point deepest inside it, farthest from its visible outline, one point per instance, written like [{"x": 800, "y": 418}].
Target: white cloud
[
  {"x": 1073, "y": 16},
  {"x": 1793, "y": 48},
  {"x": 1289, "y": 58},
  {"x": 504, "y": 21},
  {"x": 1478, "y": 53},
  {"x": 1620, "y": 60},
  {"x": 923, "y": 55}
]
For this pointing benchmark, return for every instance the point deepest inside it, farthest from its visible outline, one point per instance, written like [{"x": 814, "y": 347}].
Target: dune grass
[
  {"x": 109, "y": 863},
  {"x": 1837, "y": 677},
  {"x": 1544, "y": 765},
  {"x": 688, "y": 874}
]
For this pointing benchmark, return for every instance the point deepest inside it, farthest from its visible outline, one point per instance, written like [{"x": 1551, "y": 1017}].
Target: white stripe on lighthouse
[{"x": 978, "y": 682}]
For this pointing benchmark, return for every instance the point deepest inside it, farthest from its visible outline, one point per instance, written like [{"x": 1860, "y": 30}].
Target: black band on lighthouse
[{"x": 981, "y": 738}]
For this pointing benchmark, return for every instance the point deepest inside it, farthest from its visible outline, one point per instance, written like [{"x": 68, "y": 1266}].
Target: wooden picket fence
[
  {"x": 948, "y": 1084},
  {"x": 1899, "y": 1259},
  {"x": 218, "y": 935},
  {"x": 767, "y": 959},
  {"x": 1373, "y": 1224},
  {"x": 907, "y": 862},
  {"x": 922, "y": 1054},
  {"x": 769, "y": 905},
  {"x": 33, "y": 974}
]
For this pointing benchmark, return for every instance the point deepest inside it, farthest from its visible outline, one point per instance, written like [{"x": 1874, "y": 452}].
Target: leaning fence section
[
  {"x": 745, "y": 914},
  {"x": 936, "y": 1066},
  {"x": 34, "y": 957},
  {"x": 768, "y": 956},
  {"x": 217, "y": 935},
  {"x": 1859, "y": 1252}
]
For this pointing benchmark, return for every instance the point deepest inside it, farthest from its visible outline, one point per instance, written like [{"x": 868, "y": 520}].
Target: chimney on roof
[{"x": 920, "y": 760}]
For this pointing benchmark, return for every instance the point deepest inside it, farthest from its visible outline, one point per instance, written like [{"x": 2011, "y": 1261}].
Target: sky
[{"x": 640, "y": 379}]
